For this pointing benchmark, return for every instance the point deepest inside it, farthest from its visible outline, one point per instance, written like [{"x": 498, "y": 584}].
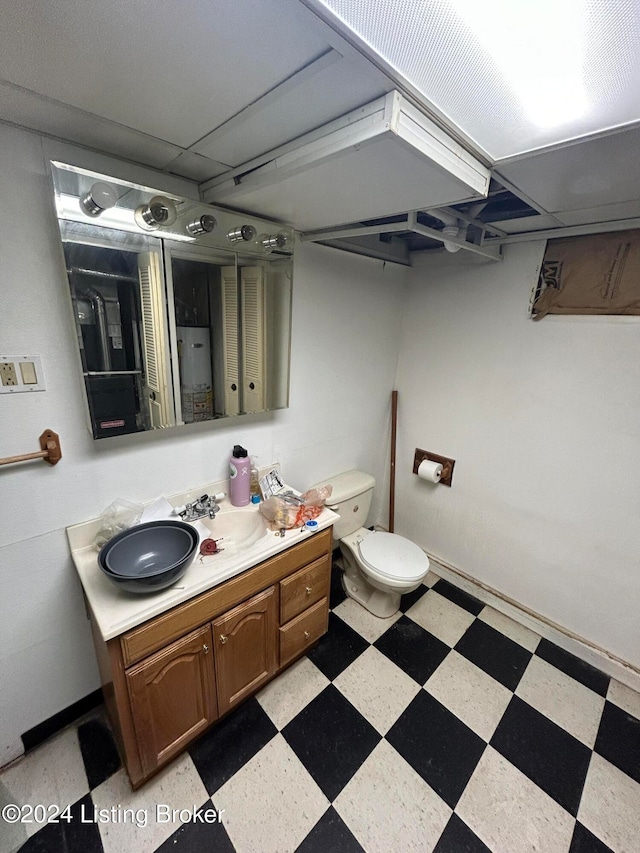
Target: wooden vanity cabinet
[
  {"x": 169, "y": 679},
  {"x": 246, "y": 655},
  {"x": 173, "y": 697}
]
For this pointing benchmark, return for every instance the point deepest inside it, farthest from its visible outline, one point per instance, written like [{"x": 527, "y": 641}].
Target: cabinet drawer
[
  {"x": 303, "y": 631},
  {"x": 304, "y": 588}
]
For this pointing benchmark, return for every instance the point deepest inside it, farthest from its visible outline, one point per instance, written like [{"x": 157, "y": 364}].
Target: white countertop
[{"x": 116, "y": 611}]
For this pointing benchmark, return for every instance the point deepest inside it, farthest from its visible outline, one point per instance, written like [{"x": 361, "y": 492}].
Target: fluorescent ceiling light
[
  {"x": 544, "y": 71},
  {"x": 510, "y": 76}
]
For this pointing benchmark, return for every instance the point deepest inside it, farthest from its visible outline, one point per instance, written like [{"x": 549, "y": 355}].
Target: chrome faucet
[{"x": 204, "y": 507}]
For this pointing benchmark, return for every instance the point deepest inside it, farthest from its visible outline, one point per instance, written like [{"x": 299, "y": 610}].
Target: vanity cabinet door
[
  {"x": 245, "y": 645},
  {"x": 173, "y": 697}
]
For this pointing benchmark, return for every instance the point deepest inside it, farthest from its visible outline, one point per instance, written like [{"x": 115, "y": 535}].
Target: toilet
[{"x": 379, "y": 567}]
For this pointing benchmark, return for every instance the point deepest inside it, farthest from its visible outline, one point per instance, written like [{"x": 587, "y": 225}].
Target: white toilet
[{"x": 378, "y": 567}]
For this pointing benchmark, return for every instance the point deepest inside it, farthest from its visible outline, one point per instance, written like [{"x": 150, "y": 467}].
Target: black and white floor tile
[{"x": 447, "y": 728}]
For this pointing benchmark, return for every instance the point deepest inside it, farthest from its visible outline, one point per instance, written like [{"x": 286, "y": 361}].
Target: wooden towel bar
[{"x": 51, "y": 452}]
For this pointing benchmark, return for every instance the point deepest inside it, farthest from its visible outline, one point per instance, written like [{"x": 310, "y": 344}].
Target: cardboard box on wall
[{"x": 593, "y": 274}]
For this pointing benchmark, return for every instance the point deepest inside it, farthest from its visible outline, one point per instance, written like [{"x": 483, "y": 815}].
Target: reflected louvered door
[
  {"x": 230, "y": 341},
  {"x": 154, "y": 339},
  {"x": 254, "y": 341}
]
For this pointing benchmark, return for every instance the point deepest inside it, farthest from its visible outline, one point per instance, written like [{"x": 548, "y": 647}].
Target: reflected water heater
[{"x": 196, "y": 386}]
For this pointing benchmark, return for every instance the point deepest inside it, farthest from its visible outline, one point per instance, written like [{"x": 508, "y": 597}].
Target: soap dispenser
[{"x": 239, "y": 477}]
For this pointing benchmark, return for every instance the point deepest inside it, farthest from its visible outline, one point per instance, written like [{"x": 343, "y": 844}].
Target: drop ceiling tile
[
  {"x": 607, "y": 213},
  {"x": 390, "y": 179},
  {"x": 171, "y": 70},
  {"x": 327, "y": 88},
  {"x": 527, "y": 223},
  {"x": 28, "y": 109},
  {"x": 584, "y": 175},
  {"x": 195, "y": 167}
]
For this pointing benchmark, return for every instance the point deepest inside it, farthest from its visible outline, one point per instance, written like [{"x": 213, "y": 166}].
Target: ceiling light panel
[{"x": 515, "y": 75}]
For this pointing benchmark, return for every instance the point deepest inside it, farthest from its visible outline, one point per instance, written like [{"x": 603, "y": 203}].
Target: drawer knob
[
  {"x": 308, "y": 590},
  {"x": 206, "y": 648},
  {"x": 306, "y": 635},
  {"x": 223, "y": 638}
]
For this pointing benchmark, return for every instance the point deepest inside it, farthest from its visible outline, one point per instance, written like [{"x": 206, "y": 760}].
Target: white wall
[
  {"x": 346, "y": 320},
  {"x": 525, "y": 409},
  {"x": 543, "y": 420}
]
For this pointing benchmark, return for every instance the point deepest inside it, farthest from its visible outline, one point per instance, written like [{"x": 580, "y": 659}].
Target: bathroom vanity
[{"x": 169, "y": 676}]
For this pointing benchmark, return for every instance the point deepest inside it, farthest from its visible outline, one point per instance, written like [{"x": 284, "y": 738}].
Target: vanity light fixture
[
  {"x": 101, "y": 196},
  {"x": 159, "y": 211},
  {"x": 245, "y": 233},
  {"x": 203, "y": 225}
]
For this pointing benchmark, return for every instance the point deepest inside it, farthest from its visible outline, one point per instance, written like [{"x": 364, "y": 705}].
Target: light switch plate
[{"x": 26, "y": 374}]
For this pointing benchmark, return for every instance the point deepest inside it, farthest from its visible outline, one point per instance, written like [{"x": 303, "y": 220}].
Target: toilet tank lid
[{"x": 347, "y": 485}]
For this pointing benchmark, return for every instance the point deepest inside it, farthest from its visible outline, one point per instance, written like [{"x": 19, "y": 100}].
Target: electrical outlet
[
  {"x": 8, "y": 373},
  {"x": 20, "y": 373}
]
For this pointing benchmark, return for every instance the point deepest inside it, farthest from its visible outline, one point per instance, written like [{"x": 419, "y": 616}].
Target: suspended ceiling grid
[{"x": 199, "y": 90}]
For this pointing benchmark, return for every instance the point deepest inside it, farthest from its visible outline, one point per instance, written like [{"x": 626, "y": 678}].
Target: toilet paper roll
[{"x": 430, "y": 471}]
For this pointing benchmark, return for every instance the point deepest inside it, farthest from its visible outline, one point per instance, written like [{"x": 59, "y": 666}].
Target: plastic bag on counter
[
  {"x": 118, "y": 516},
  {"x": 288, "y": 511},
  {"x": 317, "y": 497}
]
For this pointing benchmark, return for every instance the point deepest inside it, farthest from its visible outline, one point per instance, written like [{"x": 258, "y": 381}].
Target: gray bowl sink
[{"x": 150, "y": 556}]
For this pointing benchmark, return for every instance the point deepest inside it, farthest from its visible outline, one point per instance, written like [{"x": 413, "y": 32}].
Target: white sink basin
[{"x": 238, "y": 529}]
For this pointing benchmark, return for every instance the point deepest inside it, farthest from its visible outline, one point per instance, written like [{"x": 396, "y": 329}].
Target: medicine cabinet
[{"x": 181, "y": 310}]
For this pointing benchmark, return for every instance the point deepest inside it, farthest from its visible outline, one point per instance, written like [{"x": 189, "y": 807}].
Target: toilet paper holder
[{"x": 447, "y": 464}]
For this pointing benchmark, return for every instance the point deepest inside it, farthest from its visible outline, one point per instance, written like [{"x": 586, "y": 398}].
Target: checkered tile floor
[{"x": 446, "y": 728}]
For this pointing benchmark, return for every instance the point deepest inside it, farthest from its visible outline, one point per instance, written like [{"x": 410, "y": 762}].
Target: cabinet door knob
[
  {"x": 223, "y": 638},
  {"x": 206, "y": 648},
  {"x": 308, "y": 590},
  {"x": 306, "y": 635}
]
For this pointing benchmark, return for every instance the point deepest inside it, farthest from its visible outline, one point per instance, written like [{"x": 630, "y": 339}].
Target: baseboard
[
  {"x": 43, "y": 731},
  {"x": 585, "y": 650}
]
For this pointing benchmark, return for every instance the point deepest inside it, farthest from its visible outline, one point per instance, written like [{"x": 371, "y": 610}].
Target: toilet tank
[{"x": 351, "y": 498}]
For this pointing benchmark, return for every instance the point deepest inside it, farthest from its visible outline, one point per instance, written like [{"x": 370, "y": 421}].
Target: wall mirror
[{"x": 182, "y": 310}]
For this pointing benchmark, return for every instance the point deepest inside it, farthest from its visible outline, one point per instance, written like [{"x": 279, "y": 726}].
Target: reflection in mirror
[
  {"x": 123, "y": 377},
  {"x": 231, "y": 325},
  {"x": 176, "y": 326}
]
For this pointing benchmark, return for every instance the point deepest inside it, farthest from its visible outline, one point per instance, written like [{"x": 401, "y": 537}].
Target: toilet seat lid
[{"x": 394, "y": 556}]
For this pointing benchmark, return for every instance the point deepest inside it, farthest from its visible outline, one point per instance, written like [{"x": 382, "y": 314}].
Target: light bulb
[
  {"x": 269, "y": 242},
  {"x": 159, "y": 211},
  {"x": 100, "y": 197},
  {"x": 203, "y": 225},
  {"x": 241, "y": 233}
]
